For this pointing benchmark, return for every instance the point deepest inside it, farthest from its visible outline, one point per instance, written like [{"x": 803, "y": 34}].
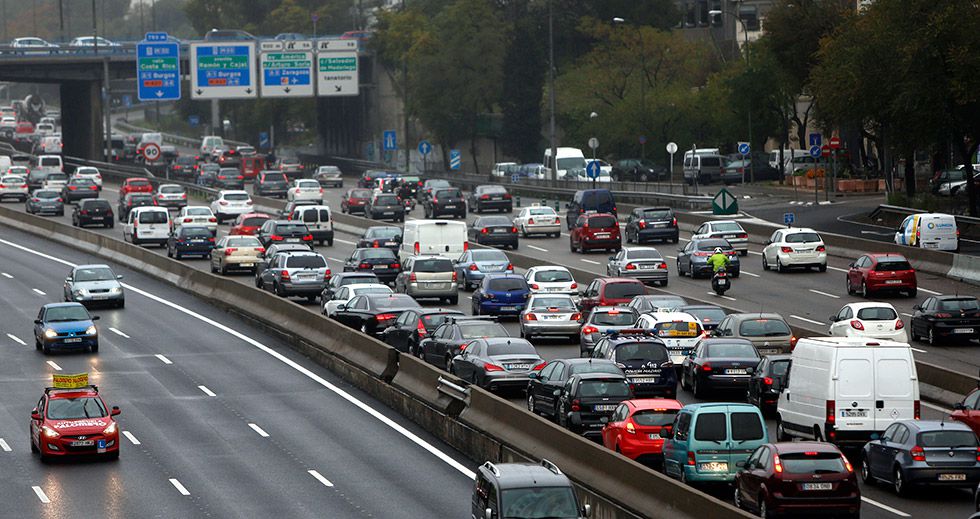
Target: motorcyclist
[{"x": 719, "y": 260}]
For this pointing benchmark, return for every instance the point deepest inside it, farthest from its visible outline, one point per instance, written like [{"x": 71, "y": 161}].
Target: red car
[
  {"x": 248, "y": 224},
  {"x": 968, "y": 411},
  {"x": 24, "y": 128},
  {"x": 873, "y": 273},
  {"x": 798, "y": 477},
  {"x": 595, "y": 231},
  {"x": 354, "y": 200},
  {"x": 135, "y": 185},
  {"x": 251, "y": 166},
  {"x": 634, "y": 428},
  {"x": 610, "y": 292},
  {"x": 74, "y": 422}
]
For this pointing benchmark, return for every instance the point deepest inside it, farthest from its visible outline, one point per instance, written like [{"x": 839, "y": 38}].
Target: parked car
[
  {"x": 497, "y": 363},
  {"x": 881, "y": 273},
  {"x": 646, "y": 224},
  {"x": 946, "y": 317},
  {"x": 494, "y": 231},
  {"x": 719, "y": 364}
]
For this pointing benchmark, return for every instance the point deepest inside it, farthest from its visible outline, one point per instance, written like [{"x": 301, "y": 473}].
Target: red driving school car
[{"x": 71, "y": 419}]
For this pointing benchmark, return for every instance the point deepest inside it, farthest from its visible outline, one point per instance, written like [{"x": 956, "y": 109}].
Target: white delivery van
[
  {"x": 929, "y": 231},
  {"x": 148, "y": 224},
  {"x": 317, "y": 219},
  {"x": 844, "y": 389},
  {"x": 209, "y": 143},
  {"x": 50, "y": 163},
  {"x": 571, "y": 161},
  {"x": 430, "y": 237}
]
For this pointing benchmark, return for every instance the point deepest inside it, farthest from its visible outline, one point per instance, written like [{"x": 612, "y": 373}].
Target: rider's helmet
[{"x": 718, "y": 250}]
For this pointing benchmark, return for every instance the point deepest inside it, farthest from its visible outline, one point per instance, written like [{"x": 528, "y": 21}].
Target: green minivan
[{"x": 710, "y": 442}]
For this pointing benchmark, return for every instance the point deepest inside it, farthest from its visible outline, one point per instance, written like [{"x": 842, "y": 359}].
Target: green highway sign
[{"x": 724, "y": 203}]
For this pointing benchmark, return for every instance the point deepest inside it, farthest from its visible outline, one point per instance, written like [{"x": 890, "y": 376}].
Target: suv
[
  {"x": 296, "y": 273},
  {"x": 429, "y": 276},
  {"x": 271, "y": 183},
  {"x": 646, "y": 224},
  {"x": 131, "y": 201},
  {"x": 445, "y": 201},
  {"x": 92, "y": 211},
  {"x": 589, "y": 200},
  {"x": 644, "y": 359},
  {"x": 525, "y": 490},
  {"x": 587, "y": 401},
  {"x": 595, "y": 231}
]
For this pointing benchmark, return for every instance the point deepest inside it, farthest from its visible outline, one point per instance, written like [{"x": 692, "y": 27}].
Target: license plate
[
  {"x": 508, "y": 308},
  {"x": 97, "y": 218},
  {"x": 729, "y": 236},
  {"x": 500, "y": 231},
  {"x": 735, "y": 372},
  {"x": 605, "y": 407},
  {"x": 854, "y": 413},
  {"x": 99, "y": 298},
  {"x": 379, "y": 267},
  {"x": 450, "y": 207},
  {"x": 247, "y": 264},
  {"x": 893, "y": 281},
  {"x": 769, "y": 351},
  {"x": 930, "y": 245},
  {"x": 292, "y": 240},
  {"x": 963, "y": 330},
  {"x": 722, "y": 282},
  {"x": 818, "y": 486},
  {"x": 713, "y": 466},
  {"x": 643, "y": 380},
  {"x": 653, "y": 436},
  {"x": 73, "y": 339},
  {"x": 952, "y": 477},
  {"x": 390, "y": 244},
  {"x": 648, "y": 267},
  {"x": 83, "y": 443},
  {"x": 518, "y": 366},
  {"x": 388, "y": 212},
  {"x": 660, "y": 225},
  {"x": 602, "y": 235}
]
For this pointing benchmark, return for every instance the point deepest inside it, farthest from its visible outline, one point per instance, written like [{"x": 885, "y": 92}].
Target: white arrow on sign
[{"x": 724, "y": 199}]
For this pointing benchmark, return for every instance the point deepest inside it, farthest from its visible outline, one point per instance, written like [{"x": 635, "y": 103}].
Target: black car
[
  {"x": 271, "y": 183},
  {"x": 385, "y": 206},
  {"x": 208, "y": 174},
  {"x": 497, "y": 363},
  {"x": 709, "y": 315},
  {"x": 372, "y": 313},
  {"x": 183, "y": 168},
  {"x": 369, "y": 179},
  {"x": 719, "y": 363},
  {"x": 490, "y": 198},
  {"x": 429, "y": 186},
  {"x": 767, "y": 381},
  {"x": 493, "y": 230},
  {"x": 445, "y": 201},
  {"x": 284, "y": 231},
  {"x": 414, "y": 325},
  {"x": 94, "y": 211},
  {"x": 190, "y": 240},
  {"x": 648, "y": 224},
  {"x": 381, "y": 261},
  {"x": 692, "y": 260},
  {"x": 638, "y": 170},
  {"x": 229, "y": 178},
  {"x": 946, "y": 317},
  {"x": 587, "y": 400},
  {"x": 45, "y": 201},
  {"x": 381, "y": 236},
  {"x": 346, "y": 278},
  {"x": 79, "y": 189},
  {"x": 444, "y": 343},
  {"x": 130, "y": 201},
  {"x": 546, "y": 385},
  {"x": 644, "y": 359}
]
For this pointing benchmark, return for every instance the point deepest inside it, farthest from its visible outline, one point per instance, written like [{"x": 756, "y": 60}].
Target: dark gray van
[{"x": 589, "y": 201}]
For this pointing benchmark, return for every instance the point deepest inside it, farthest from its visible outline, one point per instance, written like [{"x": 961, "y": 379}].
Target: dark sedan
[
  {"x": 271, "y": 183},
  {"x": 768, "y": 381},
  {"x": 373, "y": 313},
  {"x": 382, "y": 262},
  {"x": 692, "y": 260},
  {"x": 381, "y": 236},
  {"x": 445, "y": 201},
  {"x": 493, "y": 230},
  {"x": 385, "y": 206},
  {"x": 641, "y": 170},
  {"x": 45, "y": 201},
  {"x": 946, "y": 317},
  {"x": 490, "y": 198},
  {"x": 94, "y": 211},
  {"x": 188, "y": 240},
  {"x": 648, "y": 224},
  {"x": 79, "y": 189},
  {"x": 720, "y": 363},
  {"x": 229, "y": 178},
  {"x": 132, "y": 201},
  {"x": 709, "y": 315},
  {"x": 414, "y": 325},
  {"x": 498, "y": 363},
  {"x": 445, "y": 343},
  {"x": 284, "y": 231}
]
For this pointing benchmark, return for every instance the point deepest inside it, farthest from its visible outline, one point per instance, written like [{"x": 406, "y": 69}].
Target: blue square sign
[
  {"x": 390, "y": 140},
  {"x": 157, "y": 68}
]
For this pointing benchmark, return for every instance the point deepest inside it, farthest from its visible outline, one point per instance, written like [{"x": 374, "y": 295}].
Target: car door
[
  {"x": 750, "y": 479},
  {"x": 856, "y": 272},
  {"x": 885, "y": 448},
  {"x": 754, "y": 389},
  {"x": 920, "y": 317},
  {"x": 552, "y": 388},
  {"x": 347, "y": 314},
  {"x": 617, "y": 262},
  {"x": 591, "y": 297},
  {"x": 968, "y": 411},
  {"x": 702, "y": 231},
  {"x": 539, "y": 386},
  {"x": 769, "y": 250},
  {"x": 404, "y": 326},
  {"x": 435, "y": 351},
  {"x": 614, "y": 427},
  {"x": 36, "y": 424},
  {"x": 839, "y": 327},
  {"x": 267, "y": 275},
  {"x": 684, "y": 257},
  {"x": 465, "y": 363}
]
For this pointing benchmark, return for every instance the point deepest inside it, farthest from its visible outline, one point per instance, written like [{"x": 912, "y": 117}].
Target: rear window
[
  {"x": 597, "y": 200},
  {"x": 308, "y": 184},
  {"x": 552, "y": 276},
  {"x": 475, "y": 330},
  {"x": 642, "y": 352},
  {"x": 196, "y": 232},
  {"x": 305, "y": 261},
  {"x": 254, "y": 221},
  {"x": 680, "y": 329},
  {"x": 746, "y": 426},
  {"x": 236, "y": 196},
  {"x": 607, "y": 388},
  {"x": 656, "y": 214},
  {"x": 47, "y": 161},
  {"x": 732, "y": 350},
  {"x": 394, "y": 301},
  {"x": 353, "y": 280},
  {"x": 507, "y": 284},
  {"x": 153, "y": 217},
  {"x": 386, "y": 200},
  {"x": 171, "y": 189},
  {"x": 494, "y": 220},
  {"x": 654, "y": 417},
  {"x": 803, "y": 237},
  {"x": 727, "y": 226},
  {"x": 947, "y": 439},
  {"x": 433, "y": 265},
  {"x": 763, "y": 328},
  {"x": 291, "y": 228},
  {"x": 198, "y": 211},
  {"x": 542, "y": 212},
  {"x": 377, "y": 253},
  {"x": 383, "y": 232},
  {"x": 613, "y": 318},
  {"x": 139, "y": 183},
  {"x": 493, "y": 189},
  {"x": 711, "y": 427},
  {"x": 710, "y": 245},
  {"x": 95, "y": 204},
  {"x": 890, "y": 265},
  {"x": 448, "y": 193},
  {"x": 881, "y": 313},
  {"x": 602, "y": 222},
  {"x": 814, "y": 463},
  {"x": 433, "y": 321},
  {"x": 361, "y": 193},
  {"x": 553, "y": 302},
  {"x": 243, "y": 241},
  {"x": 959, "y": 304},
  {"x": 593, "y": 366},
  {"x": 488, "y": 255},
  {"x": 274, "y": 177},
  {"x": 644, "y": 254},
  {"x": 623, "y": 290},
  {"x": 707, "y": 315},
  {"x": 57, "y": 176},
  {"x": 514, "y": 348}
]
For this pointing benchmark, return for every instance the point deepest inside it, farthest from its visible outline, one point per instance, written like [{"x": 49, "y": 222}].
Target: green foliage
[
  {"x": 270, "y": 17},
  {"x": 524, "y": 77}
]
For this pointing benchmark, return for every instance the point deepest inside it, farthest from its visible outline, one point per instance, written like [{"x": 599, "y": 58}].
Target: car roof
[
  {"x": 804, "y": 446},
  {"x": 883, "y": 255},
  {"x": 947, "y": 297},
  {"x": 779, "y": 357},
  {"x": 642, "y": 404},
  {"x": 611, "y": 280},
  {"x": 759, "y": 315},
  {"x": 641, "y": 249},
  {"x": 506, "y": 340},
  {"x": 870, "y": 304},
  {"x": 795, "y": 230},
  {"x": 62, "y": 305},
  {"x": 91, "y": 266},
  {"x": 521, "y": 475},
  {"x": 662, "y": 317},
  {"x": 935, "y": 425},
  {"x": 725, "y": 340},
  {"x": 708, "y": 405}
]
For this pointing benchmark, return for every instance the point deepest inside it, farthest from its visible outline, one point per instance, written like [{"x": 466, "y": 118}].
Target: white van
[
  {"x": 570, "y": 161},
  {"x": 427, "y": 237},
  {"x": 788, "y": 155},
  {"x": 50, "y": 164},
  {"x": 210, "y": 143},
  {"x": 929, "y": 231},
  {"x": 844, "y": 389},
  {"x": 148, "y": 224},
  {"x": 317, "y": 219}
]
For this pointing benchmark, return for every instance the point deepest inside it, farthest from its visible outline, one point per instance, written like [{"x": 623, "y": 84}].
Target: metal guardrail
[
  {"x": 172, "y": 138},
  {"x": 453, "y": 390}
]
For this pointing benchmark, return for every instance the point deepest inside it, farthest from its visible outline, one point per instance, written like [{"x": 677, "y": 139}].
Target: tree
[{"x": 525, "y": 67}]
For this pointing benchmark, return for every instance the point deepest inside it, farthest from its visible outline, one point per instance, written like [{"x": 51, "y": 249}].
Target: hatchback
[
  {"x": 190, "y": 240},
  {"x": 646, "y": 224},
  {"x": 872, "y": 320},
  {"x": 794, "y": 248},
  {"x": 719, "y": 363},
  {"x": 94, "y": 284},
  {"x": 305, "y": 189},
  {"x": 634, "y": 429},
  {"x": 492, "y": 198},
  {"x": 473, "y": 265},
  {"x": 230, "y": 204},
  {"x": 769, "y": 332},
  {"x": 948, "y": 316},
  {"x": 644, "y": 359},
  {"x": 710, "y": 441},
  {"x": 494, "y": 231},
  {"x": 236, "y": 252},
  {"x": 271, "y": 183},
  {"x": 497, "y": 363},
  {"x": 603, "y": 320},
  {"x": 170, "y": 195},
  {"x": 551, "y": 279},
  {"x": 248, "y": 224},
  {"x": 588, "y": 400},
  {"x": 296, "y": 274},
  {"x": 595, "y": 231},
  {"x": 610, "y": 292},
  {"x": 500, "y": 294},
  {"x": 383, "y": 263},
  {"x": 692, "y": 260},
  {"x": 13, "y": 186},
  {"x": 643, "y": 263},
  {"x": 445, "y": 201},
  {"x": 729, "y": 230},
  {"x": 284, "y": 231},
  {"x": 540, "y": 220},
  {"x": 355, "y": 200},
  {"x": 767, "y": 381},
  {"x": 45, "y": 201},
  {"x": 385, "y": 206},
  {"x": 94, "y": 211},
  {"x": 381, "y": 236},
  {"x": 879, "y": 273}
]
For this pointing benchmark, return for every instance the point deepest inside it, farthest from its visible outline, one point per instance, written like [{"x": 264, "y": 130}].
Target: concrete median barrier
[
  {"x": 966, "y": 268},
  {"x": 420, "y": 379}
]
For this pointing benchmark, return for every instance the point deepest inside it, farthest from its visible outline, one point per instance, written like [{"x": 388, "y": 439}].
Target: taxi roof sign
[{"x": 69, "y": 380}]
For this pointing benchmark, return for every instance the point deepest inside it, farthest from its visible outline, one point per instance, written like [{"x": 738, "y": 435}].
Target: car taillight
[
  {"x": 484, "y": 230},
  {"x": 385, "y": 317},
  {"x": 211, "y": 239},
  {"x": 792, "y": 342},
  {"x": 308, "y": 237},
  {"x": 222, "y": 202},
  {"x": 574, "y": 286},
  {"x": 376, "y": 244},
  {"x": 420, "y": 329},
  {"x": 83, "y": 212},
  {"x": 899, "y": 324},
  {"x": 416, "y": 248},
  {"x": 399, "y": 265},
  {"x": 284, "y": 274},
  {"x": 642, "y": 224},
  {"x": 510, "y": 266},
  {"x": 831, "y": 408},
  {"x": 702, "y": 254},
  {"x": 212, "y": 220},
  {"x": 485, "y": 197},
  {"x": 73, "y": 188},
  {"x": 535, "y": 286},
  {"x": 918, "y": 454},
  {"x": 413, "y": 278},
  {"x": 513, "y": 230},
  {"x": 494, "y": 367},
  {"x": 940, "y": 315},
  {"x": 847, "y": 463},
  {"x": 630, "y": 266},
  {"x": 455, "y": 277},
  {"x": 576, "y": 405},
  {"x": 23, "y": 186},
  {"x": 767, "y": 381},
  {"x": 821, "y": 248},
  {"x": 326, "y": 275},
  {"x": 530, "y": 317},
  {"x": 260, "y": 250},
  {"x": 742, "y": 236},
  {"x": 473, "y": 267},
  {"x": 916, "y": 409},
  {"x": 364, "y": 265},
  {"x": 184, "y": 196},
  {"x": 576, "y": 317},
  {"x": 589, "y": 330},
  {"x": 275, "y": 237},
  {"x": 690, "y": 459},
  {"x": 61, "y": 200},
  {"x": 777, "y": 465},
  {"x": 530, "y": 221},
  {"x": 466, "y": 246},
  {"x": 93, "y": 188},
  {"x": 706, "y": 367},
  {"x": 229, "y": 251},
  {"x": 857, "y": 325},
  {"x": 786, "y": 250}
]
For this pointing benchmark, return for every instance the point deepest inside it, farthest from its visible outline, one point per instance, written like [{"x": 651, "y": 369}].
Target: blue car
[
  {"x": 501, "y": 294},
  {"x": 710, "y": 442},
  {"x": 473, "y": 265},
  {"x": 66, "y": 326}
]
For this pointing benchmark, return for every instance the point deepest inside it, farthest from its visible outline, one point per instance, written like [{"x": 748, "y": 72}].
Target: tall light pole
[
  {"x": 551, "y": 92},
  {"x": 748, "y": 65}
]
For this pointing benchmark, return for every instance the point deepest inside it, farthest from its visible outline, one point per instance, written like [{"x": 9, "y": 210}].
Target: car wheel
[
  {"x": 679, "y": 271},
  {"x": 898, "y": 483},
  {"x": 454, "y": 300},
  {"x": 781, "y": 434},
  {"x": 562, "y": 417},
  {"x": 931, "y": 338},
  {"x": 449, "y": 364},
  {"x": 737, "y": 498},
  {"x": 37, "y": 344},
  {"x": 684, "y": 385},
  {"x": 822, "y": 268},
  {"x": 765, "y": 262},
  {"x": 530, "y": 402},
  {"x": 847, "y": 285},
  {"x": 866, "y": 475},
  {"x": 278, "y": 290},
  {"x": 864, "y": 290},
  {"x": 213, "y": 269},
  {"x": 46, "y": 349},
  {"x": 779, "y": 266},
  {"x": 913, "y": 292},
  {"x": 34, "y": 448},
  {"x": 95, "y": 348},
  {"x": 364, "y": 329},
  {"x": 764, "y": 508},
  {"x": 697, "y": 388}
]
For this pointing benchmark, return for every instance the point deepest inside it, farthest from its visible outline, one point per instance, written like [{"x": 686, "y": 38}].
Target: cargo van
[
  {"x": 929, "y": 231},
  {"x": 49, "y": 164},
  {"x": 317, "y": 219},
  {"x": 570, "y": 162},
  {"x": 788, "y": 156},
  {"x": 148, "y": 224},
  {"x": 433, "y": 237},
  {"x": 844, "y": 389},
  {"x": 710, "y": 442},
  {"x": 703, "y": 165}
]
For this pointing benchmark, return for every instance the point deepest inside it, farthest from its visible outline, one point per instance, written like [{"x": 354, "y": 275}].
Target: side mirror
[
  {"x": 532, "y": 375},
  {"x": 611, "y": 258},
  {"x": 115, "y": 411},
  {"x": 35, "y": 415},
  {"x": 767, "y": 242},
  {"x": 667, "y": 431},
  {"x": 959, "y": 407},
  {"x": 742, "y": 464},
  {"x": 850, "y": 265},
  {"x": 96, "y": 317},
  {"x": 68, "y": 279},
  {"x": 341, "y": 308},
  {"x": 832, "y": 319},
  {"x": 119, "y": 276},
  {"x": 37, "y": 321},
  {"x": 488, "y": 514},
  {"x": 916, "y": 307}
]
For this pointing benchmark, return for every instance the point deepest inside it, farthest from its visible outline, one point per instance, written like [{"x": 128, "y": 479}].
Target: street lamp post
[
  {"x": 748, "y": 64},
  {"x": 551, "y": 93}
]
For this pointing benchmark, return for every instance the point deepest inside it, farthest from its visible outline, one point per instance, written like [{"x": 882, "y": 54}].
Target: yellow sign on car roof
[{"x": 69, "y": 380}]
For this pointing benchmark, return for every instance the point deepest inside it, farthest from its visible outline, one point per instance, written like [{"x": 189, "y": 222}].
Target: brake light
[
  {"x": 630, "y": 266},
  {"x": 847, "y": 463},
  {"x": 61, "y": 200},
  {"x": 642, "y": 224},
  {"x": 916, "y": 409},
  {"x": 777, "y": 464},
  {"x": 308, "y": 237},
  {"x": 702, "y": 254},
  {"x": 23, "y": 186},
  {"x": 222, "y": 202},
  {"x": 534, "y": 286},
  {"x": 485, "y": 197},
  {"x": 275, "y": 237},
  {"x": 364, "y": 265},
  {"x": 831, "y": 408},
  {"x": 376, "y": 244},
  {"x": 83, "y": 211},
  {"x": 706, "y": 367},
  {"x": 940, "y": 315},
  {"x": 466, "y": 246},
  {"x": 385, "y": 317},
  {"x": 95, "y": 188},
  {"x": 530, "y": 221},
  {"x": 589, "y": 330},
  {"x": 493, "y": 367},
  {"x": 413, "y": 278},
  {"x": 211, "y": 239},
  {"x": 899, "y": 324},
  {"x": 821, "y": 248},
  {"x": 530, "y": 317},
  {"x": 187, "y": 220},
  {"x": 73, "y": 188},
  {"x": 416, "y": 248},
  {"x": 857, "y": 325},
  {"x": 978, "y": 453},
  {"x": 767, "y": 381},
  {"x": 474, "y": 268},
  {"x": 742, "y": 236},
  {"x": 690, "y": 458},
  {"x": 510, "y": 266},
  {"x": 211, "y": 220},
  {"x": 792, "y": 342},
  {"x": 574, "y": 286},
  {"x": 576, "y": 317},
  {"x": 284, "y": 274},
  {"x": 576, "y": 405},
  {"x": 229, "y": 251},
  {"x": 786, "y": 250},
  {"x": 399, "y": 265},
  {"x": 662, "y": 266},
  {"x": 918, "y": 454}
]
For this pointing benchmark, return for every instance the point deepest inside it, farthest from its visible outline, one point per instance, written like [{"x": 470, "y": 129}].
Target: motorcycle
[
  {"x": 720, "y": 282},
  {"x": 409, "y": 203}
]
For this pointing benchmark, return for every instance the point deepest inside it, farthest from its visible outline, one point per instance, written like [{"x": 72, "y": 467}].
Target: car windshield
[
  {"x": 195, "y": 232},
  {"x": 641, "y": 352},
  {"x": 613, "y": 318},
  {"x": 803, "y": 237},
  {"x": 478, "y": 329},
  {"x": 889, "y": 265},
  {"x": 677, "y": 329},
  {"x": 539, "y": 503},
  {"x": 433, "y": 265},
  {"x": 236, "y": 196},
  {"x": 489, "y": 255},
  {"x": 654, "y": 417},
  {"x": 763, "y": 328},
  {"x": 604, "y": 388},
  {"x": 544, "y": 302},
  {"x": 507, "y": 284},
  {"x": 552, "y": 276},
  {"x": 514, "y": 347},
  {"x": 731, "y": 349},
  {"x": 75, "y": 408},
  {"x": 94, "y": 274},
  {"x": 644, "y": 254},
  {"x": 878, "y": 313},
  {"x": 140, "y": 197},
  {"x": 623, "y": 290},
  {"x": 656, "y": 214},
  {"x": 377, "y": 253},
  {"x": 254, "y": 221},
  {"x": 66, "y": 313},
  {"x": 243, "y": 241},
  {"x": 947, "y": 439},
  {"x": 812, "y": 462},
  {"x": 707, "y": 315},
  {"x": 383, "y": 232},
  {"x": 493, "y": 220},
  {"x": 602, "y": 222},
  {"x": 198, "y": 211},
  {"x": 645, "y": 304},
  {"x": 954, "y": 305}
]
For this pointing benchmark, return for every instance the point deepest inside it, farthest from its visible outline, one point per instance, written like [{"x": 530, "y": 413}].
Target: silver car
[
  {"x": 604, "y": 320},
  {"x": 94, "y": 284},
  {"x": 428, "y": 277},
  {"x": 550, "y": 315},
  {"x": 726, "y": 229},
  {"x": 643, "y": 263}
]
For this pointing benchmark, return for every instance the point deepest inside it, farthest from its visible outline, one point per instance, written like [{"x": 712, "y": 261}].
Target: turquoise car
[{"x": 710, "y": 442}]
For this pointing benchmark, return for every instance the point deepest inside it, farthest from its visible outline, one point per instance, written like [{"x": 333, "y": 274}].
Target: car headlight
[
  {"x": 115, "y": 290},
  {"x": 51, "y": 334},
  {"x": 111, "y": 429},
  {"x": 77, "y": 293},
  {"x": 49, "y": 432},
  {"x": 91, "y": 330}
]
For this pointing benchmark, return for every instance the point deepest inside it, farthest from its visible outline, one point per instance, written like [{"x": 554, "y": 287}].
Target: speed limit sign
[{"x": 151, "y": 152}]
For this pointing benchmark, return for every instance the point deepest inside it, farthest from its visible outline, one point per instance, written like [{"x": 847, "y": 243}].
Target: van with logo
[
  {"x": 710, "y": 442},
  {"x": 433, "y": 237},
  {"x": 148, "y": 224},
  {"x": 844, "y": 389},
  {"x": 317, "y": 219},
  {"x": 929, "y": 231}
]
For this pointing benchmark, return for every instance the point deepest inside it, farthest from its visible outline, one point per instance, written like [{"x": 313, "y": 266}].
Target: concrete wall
[{"x": 81, "y": 119}]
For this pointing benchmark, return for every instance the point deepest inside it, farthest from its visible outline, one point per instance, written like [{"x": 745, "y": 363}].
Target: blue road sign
[
  {"x": 263, "y": 139},
  {"x": 193, "y": 120},
  {"x": 515, "y": 178},
  {"x": 789, "y": 218},
  {"x": 593, "y": 169},
  {"x": 455, "y": 159},
  {"x": 744, "y": 148},
  {"x": 127, "y": 100},
  {"x": 816, "y": 139},
  {"x": 815, "y": 151},
  {"x": 390, "y": 141},
  {"x": 425, "y": 147},
  {"x": 157, "y": 68}
]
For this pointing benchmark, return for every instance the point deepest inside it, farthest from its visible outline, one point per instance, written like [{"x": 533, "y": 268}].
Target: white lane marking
[
  {"x": 885, "y": 507},
  {"x": 683, "y": 239},
  {"x": 163, "y": 359},
  {"x": 937, "y": 408},
  {"x": 4, "y": 446},
  {"x": 132, "y": 439},
  {"x": 726, "y": 297},
  {"x": 206, "y": 391},
  {"x": 335, "y": 259},
  {"x": 933, "y": 292},
  {"x": 41, "y": 495},
  {"x": 918, "y": 350},
  {"x": 824, "y": 294},
  {"x": 749, "y": 274},
  {"x": 671, "y": 257},
  {"x": 590, "y": 261},
  {"x": 414, "y": 438},
  {"x": 39, "y": 292},
  {"x": 804, "y": 319},
  {"x": 906, "y": 315},
  {"x": 53, "y": 365},
  {"x": 8, "y": 276},
  {"x": 319, "y": 477},
  {"x": 180, "y": 488},
  {"x": 836, "y": 269},
  {"x": 344, "y": 241},
  {"x": 16, "y": 339},
  {"x": 258, "y": 430},
  {"x": 756, "y": 253},
  {"x": 537, "y": 248},
  {"x": 117, "y": 332},
  {"x": 565, "y": 235}
]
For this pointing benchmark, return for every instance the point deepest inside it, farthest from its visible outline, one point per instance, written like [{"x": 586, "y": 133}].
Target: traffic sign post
[
  {"x": 789, "y": 219},
  {"x": 744, "y": 149},
  {"x": 286, "y": 68},
  {"x": 157, "y": 68},
  {"x": 816, "y": 139},
  {"x": 425, "y": 147},
  {"x": 671, "y": 149},
  {"x": 337, "y": 68},
  {"x": 223, "y": 70},
  {"x": 455, "y": 160},
  {"x": 593, "y": 169},
  {"x": 515, "y": 178},
  {"x": 835, "y": 146},
  {"x": 724, "y": 203},
  {"x": 151, "y": 152}
]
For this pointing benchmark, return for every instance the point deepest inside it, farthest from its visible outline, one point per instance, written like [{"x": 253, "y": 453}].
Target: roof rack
[
  {"x": 632, "y": 332},
  {"x": 492, "y": 468},
  {"x": 551, "y": 466}
]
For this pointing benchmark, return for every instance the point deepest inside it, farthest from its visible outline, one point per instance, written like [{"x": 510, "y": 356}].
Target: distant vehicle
[
  {"x": 360, "y": 36},
  {"x": 227, "y": 35},
  {"x": 538, "y": 220},
  {"x": 719, "y": 363},
  {"x": 642, "y": 170},
  {"x": 703, "y": 165},
  {"x": 34, "y": 43},
  {"x": 728, "y": 230},
  {"x": 646, "y": 224},
  {"x": 929, "y": 231},
  {"x": 877, "y": 273},
  {"x": 946, "y": 317},
  {"x": 291, "y": 36},
  {"x": 86, "y": 42},
  {"x": 570, "y": 161},
  {"x": 329, "y": 176},
  {"x": 796, "y": 247},
  {"x": 427, "y": 277}
]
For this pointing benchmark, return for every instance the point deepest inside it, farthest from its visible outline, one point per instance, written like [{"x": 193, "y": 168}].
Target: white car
[
  {"x": 958, "y": 186},
  {"x": 872, "y": 320},
  {"x": 729, "y": 230},
  {"x": 54, "y": 181},
  {"x": 197, "y": 215},
  {"x": 347, "y": 292},
  {"x": 794, "y": 247},
  {"x": 170, "y": 195},
  {"x": 90, "y": 173},
  {"x": 44, "y": 129},
  {"x": 47, "y": 120},
  {"x": 37, "y": 44},
  {"x": 305, "y": 189},
  {"x": 8, "y": 122},
  {"x": 550, "y": 315},
  {"x": 90, "y": 42},
  {"x": 13, "y": 186},
  {"x": 680, "y": 332},
  {"x": 538, "y": 219},
  {"x": 551, "y": 279},
  {"x": 502, "y": 169},
  {"x": 231, "y": 203}
]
